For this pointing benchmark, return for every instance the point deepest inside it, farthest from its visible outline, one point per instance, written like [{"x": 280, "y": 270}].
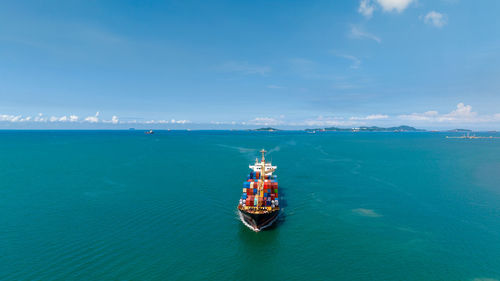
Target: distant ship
[
  {"x": 259, "y": 204},
  {"x": 150, "y": 132}
]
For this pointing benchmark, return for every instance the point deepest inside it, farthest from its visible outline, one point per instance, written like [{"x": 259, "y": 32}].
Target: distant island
[
  {"x": 268, "y": 129},
  {"x": 368, "y": 129},
  {"x": 402, "y": 128}
]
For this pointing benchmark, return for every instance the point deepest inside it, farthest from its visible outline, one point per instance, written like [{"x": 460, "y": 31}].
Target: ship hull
[{"x": 258, "y": 222}]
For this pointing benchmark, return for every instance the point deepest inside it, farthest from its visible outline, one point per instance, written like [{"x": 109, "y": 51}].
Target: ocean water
[{"x": 122, "y": 205}]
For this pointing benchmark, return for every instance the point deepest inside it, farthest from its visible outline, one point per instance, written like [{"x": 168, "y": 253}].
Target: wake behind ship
[{"x": 259, "y": 203}]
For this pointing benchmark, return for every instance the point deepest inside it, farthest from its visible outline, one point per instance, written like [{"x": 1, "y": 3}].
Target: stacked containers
[{"x": 252, "y": 196}]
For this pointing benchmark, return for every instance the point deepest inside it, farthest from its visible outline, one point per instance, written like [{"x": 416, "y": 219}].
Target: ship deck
[{"x": 258, "y": 210}]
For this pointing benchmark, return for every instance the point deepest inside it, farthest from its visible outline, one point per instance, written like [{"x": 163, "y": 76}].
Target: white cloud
[
  {"x": 357, "y": 33},
  {"x": 322, "y": 121},
  {"x": 114, "y": 120},
  {"x": 463, "y": 113},
  {"x": 152, "y": 121},
  {"x": 15, "y": 118},
  {"x": 428, "y": 115},
  {"x": 366, "y": 8},
  {"x": 355, "y": 62},
  {"x": 40, "y": 118},
  {"x": 92, "y": 119},
  {"x": 245, "y": 68},
  {"x": 155, "y": 122},
  {"x": 266, "y": 121},
  {"x": 436, "y": 19},
  {"x": 173, "y": 121},
  {"x": 394, "y": 5},
  {"x": 371, "y": 117},
  {"x": 224, "y": 122},
  {"x": 74, "y": 118},
  {"x": 10, "y": 118}
]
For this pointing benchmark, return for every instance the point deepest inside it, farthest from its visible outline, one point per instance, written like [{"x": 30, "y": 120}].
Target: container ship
[{"x": 259, "y": 203}]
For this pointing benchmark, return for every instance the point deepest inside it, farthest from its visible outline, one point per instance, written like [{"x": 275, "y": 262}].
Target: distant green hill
[
  {"x": 268, "y": 129},
  {"x": 459, "y": 130},
  {"x": 403, "y": 128}
]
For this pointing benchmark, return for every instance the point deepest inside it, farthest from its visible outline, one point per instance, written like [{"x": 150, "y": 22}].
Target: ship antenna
[{"x": 262, "y": 171}]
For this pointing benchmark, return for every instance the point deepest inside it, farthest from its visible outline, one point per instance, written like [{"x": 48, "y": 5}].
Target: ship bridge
[
  {"x": 262, "y": 166},
  {"x": 268, "y": 167}
]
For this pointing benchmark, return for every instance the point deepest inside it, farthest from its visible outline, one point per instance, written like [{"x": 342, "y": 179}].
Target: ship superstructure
[{"x": 259, "y": 204}]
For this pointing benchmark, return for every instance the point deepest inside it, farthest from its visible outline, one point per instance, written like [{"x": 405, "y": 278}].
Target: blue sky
[{"x": 219, "y": 64}]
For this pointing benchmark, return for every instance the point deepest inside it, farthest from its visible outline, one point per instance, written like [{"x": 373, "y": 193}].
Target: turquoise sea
[{"x": 122, "y": 205}]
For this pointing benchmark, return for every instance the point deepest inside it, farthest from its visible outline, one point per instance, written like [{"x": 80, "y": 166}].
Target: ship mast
[
  {"x": 262, "y": 172},
  {"x": 263, "y": 169}
]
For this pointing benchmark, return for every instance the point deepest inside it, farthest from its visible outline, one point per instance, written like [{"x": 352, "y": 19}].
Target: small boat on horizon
[{"x": 150, "y": 132}]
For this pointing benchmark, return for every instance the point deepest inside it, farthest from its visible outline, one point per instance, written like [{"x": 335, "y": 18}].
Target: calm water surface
[{"x": 122, "y": 205}]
